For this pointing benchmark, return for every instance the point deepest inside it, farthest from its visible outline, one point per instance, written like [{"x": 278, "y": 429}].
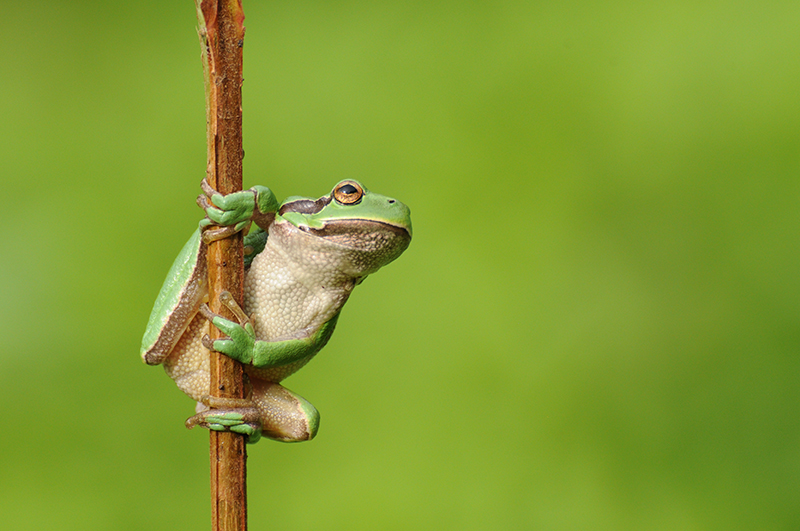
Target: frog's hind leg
[
  {"x": 285, "y": 416},
  {"x": 270, "y": 410}
]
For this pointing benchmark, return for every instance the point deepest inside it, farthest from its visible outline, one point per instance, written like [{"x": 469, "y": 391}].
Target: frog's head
[{"x": 367, "y": 230}]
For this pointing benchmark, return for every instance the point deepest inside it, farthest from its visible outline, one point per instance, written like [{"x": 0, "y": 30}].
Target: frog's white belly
[{"x": 287, "y": 300}]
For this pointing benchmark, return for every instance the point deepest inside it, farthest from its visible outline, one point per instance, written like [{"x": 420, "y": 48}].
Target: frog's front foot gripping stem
[
  {"x": 217, "y": 223},
  {"x": 228, "y": 214}
]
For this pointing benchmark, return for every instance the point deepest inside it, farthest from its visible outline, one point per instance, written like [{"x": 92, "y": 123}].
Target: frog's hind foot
[{"x": 229, "y": 414}]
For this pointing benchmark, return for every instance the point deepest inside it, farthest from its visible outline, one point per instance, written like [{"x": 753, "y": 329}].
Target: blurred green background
[{"x": 595, "y": 327}]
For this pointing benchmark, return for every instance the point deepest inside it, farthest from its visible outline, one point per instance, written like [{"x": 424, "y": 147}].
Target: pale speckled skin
[{"x": 293, "y": 289}]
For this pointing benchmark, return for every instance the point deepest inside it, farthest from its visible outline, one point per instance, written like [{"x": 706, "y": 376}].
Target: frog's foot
[
  {"x": 229, "y": 414},
  {"x": 228, "y": 214},
  {"x": 225, "y": 214}
]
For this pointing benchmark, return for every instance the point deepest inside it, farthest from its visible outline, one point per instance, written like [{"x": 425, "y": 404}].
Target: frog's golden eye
[{"x": 348, "y": 193}]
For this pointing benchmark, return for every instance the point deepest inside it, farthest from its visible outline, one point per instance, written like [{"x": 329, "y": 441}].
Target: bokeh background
[{"x": 595, "y": 327}]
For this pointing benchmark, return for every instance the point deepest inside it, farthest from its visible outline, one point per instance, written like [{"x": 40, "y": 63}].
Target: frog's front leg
[{"x": 243, "y": 346}]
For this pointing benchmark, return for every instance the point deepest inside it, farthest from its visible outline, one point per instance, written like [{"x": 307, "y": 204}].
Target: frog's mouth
[{"x": 335, "y": 227}]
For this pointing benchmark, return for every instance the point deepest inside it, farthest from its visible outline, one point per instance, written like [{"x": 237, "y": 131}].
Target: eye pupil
[{"x": 348, "y": 189}]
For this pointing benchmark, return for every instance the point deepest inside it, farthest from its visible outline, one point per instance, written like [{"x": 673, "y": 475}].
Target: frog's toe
[{"x": 214, "y": 234}]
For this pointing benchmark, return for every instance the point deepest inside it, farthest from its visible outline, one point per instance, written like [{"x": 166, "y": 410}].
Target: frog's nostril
[{"x": 391, "y": 201}]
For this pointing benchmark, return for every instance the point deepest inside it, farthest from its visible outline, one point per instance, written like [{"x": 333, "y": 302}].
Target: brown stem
[{"x": 222, "y": 37}]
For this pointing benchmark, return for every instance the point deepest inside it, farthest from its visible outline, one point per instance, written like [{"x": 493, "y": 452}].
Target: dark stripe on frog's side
[{"x": 305, "y": 206}]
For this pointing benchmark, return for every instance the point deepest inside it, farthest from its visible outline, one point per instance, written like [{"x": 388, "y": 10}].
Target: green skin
[{"x": 304, "y": 257}]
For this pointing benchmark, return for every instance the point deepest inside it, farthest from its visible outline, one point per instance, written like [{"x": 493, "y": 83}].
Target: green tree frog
[{"x": 303, "y": 259}]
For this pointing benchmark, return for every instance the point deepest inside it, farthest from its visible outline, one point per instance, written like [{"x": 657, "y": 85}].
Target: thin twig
[{"x": 222, "y": 37}]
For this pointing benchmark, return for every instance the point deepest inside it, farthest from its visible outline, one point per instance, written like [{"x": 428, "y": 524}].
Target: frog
[{"x": 303, "y": 258}]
